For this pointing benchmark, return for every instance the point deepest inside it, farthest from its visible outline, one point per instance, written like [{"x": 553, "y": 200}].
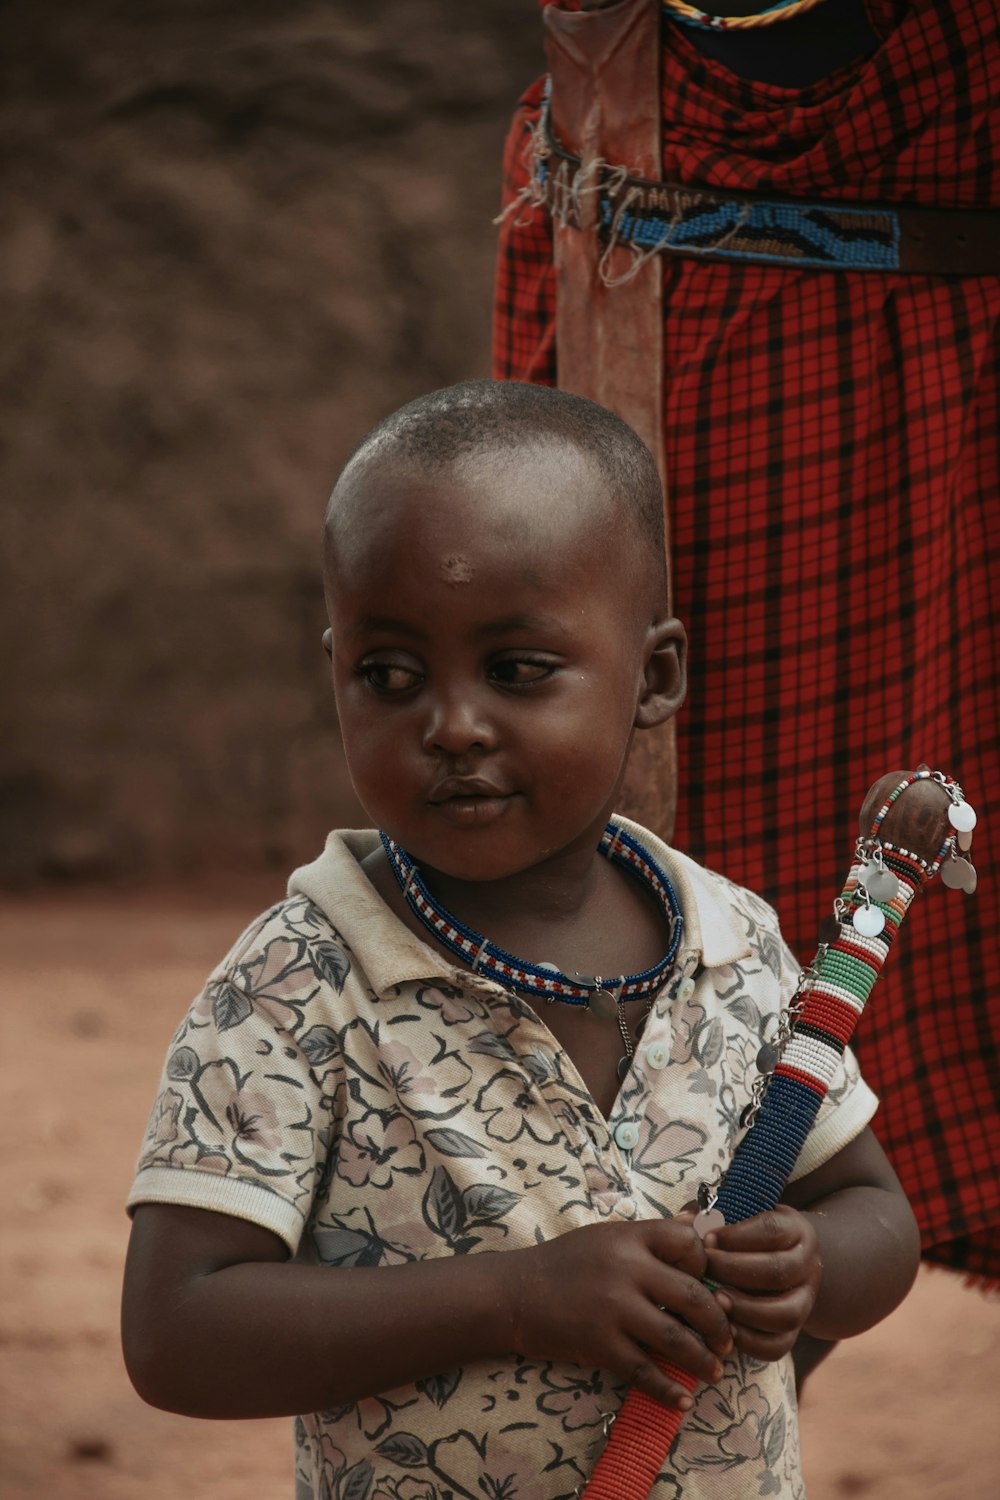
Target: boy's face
[{"x": 495, "y": 639}]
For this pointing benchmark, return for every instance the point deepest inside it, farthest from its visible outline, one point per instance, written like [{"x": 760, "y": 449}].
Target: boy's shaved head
[{"x": 483, "y": 421}]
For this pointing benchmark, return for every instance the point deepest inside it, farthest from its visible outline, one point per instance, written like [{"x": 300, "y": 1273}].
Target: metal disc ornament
[
  {"x": 881, "y": 884},
  {"x": 767, "y": 1058},
  {"x": 868, "y": 920},
  {"x": 624, "y": 1063},
  {"x": 963, "y": 838},
  {"x": 709, "y": 1220},
  {"x": 962, "y": 816},
  {"x": 959, "y": 875},
  {"x": 603, "y": 1004},
  {"x": 829, "y": 929}
]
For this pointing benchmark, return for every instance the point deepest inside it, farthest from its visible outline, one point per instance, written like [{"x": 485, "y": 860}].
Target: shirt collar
[{"x": 391, "y": 954}]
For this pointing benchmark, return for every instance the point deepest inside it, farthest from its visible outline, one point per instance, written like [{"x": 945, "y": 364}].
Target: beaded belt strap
[
  {"x": 854, "y": 941},
  {"x": 666, "y": 218}
]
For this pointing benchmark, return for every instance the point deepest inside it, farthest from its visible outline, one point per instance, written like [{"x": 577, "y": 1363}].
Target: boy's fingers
[
  {"x": 768, "y": 1231},
  {"x": 644, "y": 1374},
  {"x": 769, "y": 1346},
  {"x": 675, "y": 1242},
  {"x": 760, "y": 1271},
  {"x": 661, "y": 1333},
  {"x": 685, "y": 1298},
  {"x": 782, "y": 1314}
]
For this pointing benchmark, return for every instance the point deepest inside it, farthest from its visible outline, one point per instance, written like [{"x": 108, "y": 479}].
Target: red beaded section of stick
[{"x": 639, "y": 1443}]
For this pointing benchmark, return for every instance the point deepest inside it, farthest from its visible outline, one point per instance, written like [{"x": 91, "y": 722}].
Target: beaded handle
[{"x": 937, "y": 823}]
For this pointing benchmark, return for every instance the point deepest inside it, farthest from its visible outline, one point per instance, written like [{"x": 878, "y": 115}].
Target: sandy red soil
[{"x": 94, "y": 986}]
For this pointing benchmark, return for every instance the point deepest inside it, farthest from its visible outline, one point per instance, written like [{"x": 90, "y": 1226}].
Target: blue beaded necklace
[{"x": 545, "y": 981}]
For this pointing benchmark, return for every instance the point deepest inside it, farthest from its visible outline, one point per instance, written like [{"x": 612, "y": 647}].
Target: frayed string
[
  {"x": 532, "y": 195},
  {"x": 639, "y": 256},
  {"x": 563, "y": 191}
]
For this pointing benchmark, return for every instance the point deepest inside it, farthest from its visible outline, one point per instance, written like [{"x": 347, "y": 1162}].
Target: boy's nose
[{"x": 457, "y": 724}]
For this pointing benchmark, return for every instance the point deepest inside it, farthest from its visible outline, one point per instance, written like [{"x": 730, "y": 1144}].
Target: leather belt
[{"x": 712, "y": 224}]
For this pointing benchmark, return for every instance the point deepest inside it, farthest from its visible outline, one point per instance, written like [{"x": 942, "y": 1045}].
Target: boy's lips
[
  {"x": 468, "y": 801},
  {"x": 463, "y": 789}
]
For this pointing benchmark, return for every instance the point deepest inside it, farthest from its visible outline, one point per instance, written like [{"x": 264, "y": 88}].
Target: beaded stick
[{"x": 817, "y": 1026}]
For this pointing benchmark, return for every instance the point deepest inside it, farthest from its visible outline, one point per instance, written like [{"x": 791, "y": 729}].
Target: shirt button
[
  {"x": 626, "y": 1135},
  {"x": 685, "y": 989},
  {"x": 657, "y": 1056}
]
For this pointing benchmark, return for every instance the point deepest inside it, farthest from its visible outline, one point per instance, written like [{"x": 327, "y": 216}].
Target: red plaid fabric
[{"x": 834, "y": 475}]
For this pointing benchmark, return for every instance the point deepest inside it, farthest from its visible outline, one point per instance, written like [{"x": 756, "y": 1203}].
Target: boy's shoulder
[
  {"x": 728, "y": 921},
  {"x": 332, "y": 930},
  {"x": 289, "y": 936}
]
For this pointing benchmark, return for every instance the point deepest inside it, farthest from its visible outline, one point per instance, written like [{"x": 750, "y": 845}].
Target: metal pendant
[
  {"x": 708, "y": 1221},
  {"x": 963, "y": 838},
  {"x": 829, "y": 929},
  {"x": 962, "y": 817},
  {"x": 767, "y": 1058},
  {"x": 959, "y": 875},
  {"x": 624, "y": 1063},
  {"x": 881, "y": 884},
  {"x": 585, "y": 981},
  {"x": 868, "y": 920},
  {"x": 603, "y": 1004}
]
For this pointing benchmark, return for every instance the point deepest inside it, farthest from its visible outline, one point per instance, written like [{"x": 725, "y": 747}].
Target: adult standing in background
[{"x": 822, "y": 384}]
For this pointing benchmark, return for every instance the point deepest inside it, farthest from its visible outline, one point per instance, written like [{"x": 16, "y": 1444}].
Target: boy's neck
[{"x": 557, "y": 892}]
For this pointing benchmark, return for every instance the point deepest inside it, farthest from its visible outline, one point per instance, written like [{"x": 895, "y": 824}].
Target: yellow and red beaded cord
[
  {"x": 690, "y": 15},
  {"x": 823, "y": 1013}
]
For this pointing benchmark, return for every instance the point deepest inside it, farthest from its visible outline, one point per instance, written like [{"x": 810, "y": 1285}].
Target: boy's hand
[
  {"x": 769, "y": 1271},
  {"x": 609, "y": 1295}
]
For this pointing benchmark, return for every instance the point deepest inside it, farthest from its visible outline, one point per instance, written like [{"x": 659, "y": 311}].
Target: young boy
[{"x": 485, "y": 1197}]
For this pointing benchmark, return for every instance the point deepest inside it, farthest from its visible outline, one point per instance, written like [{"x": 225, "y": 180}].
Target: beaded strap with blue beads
[{"x": 542, "y": 981}]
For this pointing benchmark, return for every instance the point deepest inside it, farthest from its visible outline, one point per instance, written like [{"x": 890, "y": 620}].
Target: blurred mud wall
[{"x": 234, "y": 234}]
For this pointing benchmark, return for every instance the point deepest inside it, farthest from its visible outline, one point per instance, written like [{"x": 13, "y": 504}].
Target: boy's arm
[
  {"x": 837, "y": 1255},
  {"x": 216, "y": 1323}
]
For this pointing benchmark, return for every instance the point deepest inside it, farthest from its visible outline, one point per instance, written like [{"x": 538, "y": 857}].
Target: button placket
[
  {"x": 657, "y": 1056},
  {"x": 582, "y": 1132}
]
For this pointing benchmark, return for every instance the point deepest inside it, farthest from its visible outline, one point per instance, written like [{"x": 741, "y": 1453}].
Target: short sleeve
[{"x": 243, "y": 1121}]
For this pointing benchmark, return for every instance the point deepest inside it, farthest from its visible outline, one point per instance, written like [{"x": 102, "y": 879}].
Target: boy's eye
[
  {"x": 388, "y": 677},
  {"x": 521, "y": 671}
]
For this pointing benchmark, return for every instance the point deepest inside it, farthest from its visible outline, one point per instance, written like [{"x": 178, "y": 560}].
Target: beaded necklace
[
  {"x": 543, "y": 981},
  {"x": 690, "y": 15}
]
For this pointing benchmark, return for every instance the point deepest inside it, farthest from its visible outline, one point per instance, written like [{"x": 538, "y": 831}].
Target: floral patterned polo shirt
[{"x": 343, "y": 1084}]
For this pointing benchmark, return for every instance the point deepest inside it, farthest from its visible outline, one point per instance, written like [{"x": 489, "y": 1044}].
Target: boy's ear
[
  {"x": 328, "y": 641},
  {"x": 664, "y": 680}
]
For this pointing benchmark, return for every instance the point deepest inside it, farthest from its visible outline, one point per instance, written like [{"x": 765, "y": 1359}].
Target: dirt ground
[{"x": 94, "y": 986}]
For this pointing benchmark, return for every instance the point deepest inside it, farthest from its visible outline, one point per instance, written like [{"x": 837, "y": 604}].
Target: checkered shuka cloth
[{"x": 833, "y": 451}]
